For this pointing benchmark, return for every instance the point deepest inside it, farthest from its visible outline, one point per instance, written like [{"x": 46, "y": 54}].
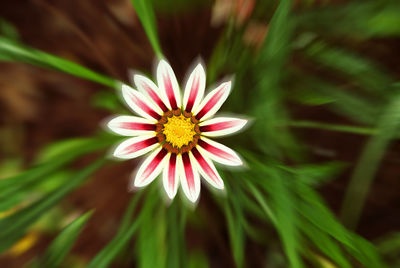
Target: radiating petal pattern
[
  {"x": 171, "y": 176},
  {"x": 140, "y": 105},
  {"x": 148, "y": 88},
  {"x": 176, "y": 140},
  {"x": 131, "y": 125},
  {"x": 194, "y": 89},
  {"x": 151, "y": 167},
  {"x": 189, "y": 177},
  {"x": 136, "y": 146},
  {"x": 168, "y": 85},
  {"x": 206, "y": 169},
  {"x": 218, "y": 152},
  {"x": 221, "y": 126},
  {"x": 213, "y": 101}
]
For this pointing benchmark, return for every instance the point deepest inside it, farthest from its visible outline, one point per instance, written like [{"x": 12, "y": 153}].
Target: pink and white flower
[{"x": 175, "y": 131}]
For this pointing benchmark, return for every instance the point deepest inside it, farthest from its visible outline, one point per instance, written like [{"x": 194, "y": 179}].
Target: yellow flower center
[{"x": 179, "y": 131}]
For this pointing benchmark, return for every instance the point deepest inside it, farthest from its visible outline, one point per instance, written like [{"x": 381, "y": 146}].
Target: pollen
[{"x": 179, "y": 131}]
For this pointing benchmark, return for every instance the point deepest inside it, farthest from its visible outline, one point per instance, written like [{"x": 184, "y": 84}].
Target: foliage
[{"x": 279, "y": 187}]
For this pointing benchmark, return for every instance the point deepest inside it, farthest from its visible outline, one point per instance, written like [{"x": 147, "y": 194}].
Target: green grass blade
[
  {"x": 176, "y": 248},
  {"x": 334, "y": 127},
  {"x": 286, "y": 216},
  {"x": 15, "y": 225},
  {"x": 326, "y": 244},
  {"x": 317, "y": 214},
  {"x": 267, "y": 99},
  {"x": 51, "y": 159},
  {"x": 125, "y": 232},
  {"x": 359, "y": 70},
  {"x": 234, "y": 218},
  {"x": 367, "y": 166},
  {"x": 346, "y": 103},
  {"x": 146, "y": 15},
  {"x": 13, "y": 51},
  {"x": 63, "y": 243},
  {"x": 152, "y": 237}
]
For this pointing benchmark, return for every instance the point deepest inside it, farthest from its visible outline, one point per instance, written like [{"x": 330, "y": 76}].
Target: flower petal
[
  {"x": 206, "y": 169},
  {"x": 148, "y": 88},
  {"x": 194, "y": 89},
  {"x": 171, "y": 177},
  {"x": 213, "y": 101},
  {"x": 139, "y": 104},
  {"x": 221, "y": 126},
  {"x": 131, "y": 125},
  {"x": 136, "y": 146},
  {"x": 168, "y": 85},
  {"x": 189, "y": 177},
  {"x": 218, "y": 152},
  {"x": 151, "y": 167}
]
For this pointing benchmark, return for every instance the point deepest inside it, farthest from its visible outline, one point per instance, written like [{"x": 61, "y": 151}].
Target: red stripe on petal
[
  {"x": 142, "y": 105},
  {"x": 211, "y": 103},
  {"x": 205, "y": 166},
  {"x": 189, "y": 174},
  {"x": 154, "y": 96},
  {"x": 137, "y": 126},
  {"x": 193, "y": 94},
  {"x": 219, "y": 126},
  {"x": 172, "y": 171},
  {"x": 216, "y": 151},
  {"x": 154, "y": 163},
  {"x": 140, "y": 145},
  {"x": 170, "y": 92}
]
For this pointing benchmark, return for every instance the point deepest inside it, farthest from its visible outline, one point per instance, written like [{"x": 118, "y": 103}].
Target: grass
[{"x": 279, "y": 188}]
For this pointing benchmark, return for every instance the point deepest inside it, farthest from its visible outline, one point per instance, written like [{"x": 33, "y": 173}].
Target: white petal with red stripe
[
  {"x": 206, "y": 169},
  {"x": 213, "y": 101},
  {"x": 131, "y": 125},
  {"x": 221, "y": 126},
  {"x": 189, "y": 177},
  {"x": 218, "y": 152},
  {"x": 151, "y": 167},
  {"x": 140, "y": 105},
  {"x": 168, "y": 85},
  {"x": 194, "y": 89},
  {"x": 136, "y": 146},
  {"x": 171, "y": 176},
  {"x": 148, "y": 88}
]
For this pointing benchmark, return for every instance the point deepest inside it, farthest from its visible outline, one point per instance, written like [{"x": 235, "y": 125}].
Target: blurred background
[{"x": 318, "y": 77}]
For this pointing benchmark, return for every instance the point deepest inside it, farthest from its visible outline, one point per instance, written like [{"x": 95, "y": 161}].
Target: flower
[{"x": 176, "y": 131}]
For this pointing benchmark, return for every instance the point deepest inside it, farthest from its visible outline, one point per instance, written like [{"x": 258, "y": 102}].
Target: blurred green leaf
[
  {"x": 326, "y": 244},
  {"x": 152, "y": 237},
  {"x": 359, "y": 70},
  {"x": 51, "y": 159},
  {"x": 333, "y": 127},
  {"x": 62, "y": 244},
  {"x": 367, "y": 166},
  {"x": 15, "y": 225},
  {"x": 286, "y": 218},
  {"x": 234, "y": 218},
  {"x": 145, "y": 13},
  {"x": 197, "y": 259},
  {"x": 125, "y": 233},
  {"x": 347, "y": 103},
  {"x": 106, "y": 100},
  {"x": 353, "y": 19},
  {"x": 176, "y": 248},
  {"x": 267, "y": 98},
  {"x": 13, "y": 51},
  {"x": 8, "y": 30},
  {"x": 314, "y": 174},
  {"x": 314, "y": 210}
]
